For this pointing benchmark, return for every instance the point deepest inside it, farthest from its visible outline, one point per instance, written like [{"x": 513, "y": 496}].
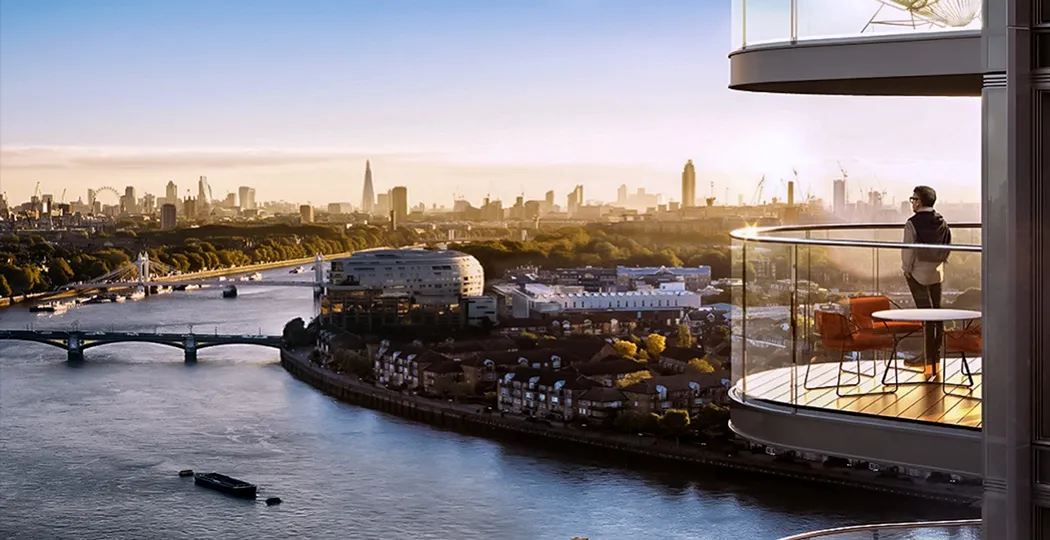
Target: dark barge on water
[{"x": 225, "y": 484}]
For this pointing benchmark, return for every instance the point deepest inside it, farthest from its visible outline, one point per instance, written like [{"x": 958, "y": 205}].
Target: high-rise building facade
[
  {"x": 399, "y": 203},
  {"x": 171, "y": 192},
  {"x": 689, "y": 185},
  {"x": 167, "y": 216},
  {"x": 382, "y": 206},
  {"x": 203, "y": 197},
  {"x": 246, "y": 197},
  {"x": 839, "y": 198},
  {"x": 368, "y": 195},
  {"x": 999, "y": 51},
  {"x": 574, "y": 200},
  {"x": 306, "y": 214}
]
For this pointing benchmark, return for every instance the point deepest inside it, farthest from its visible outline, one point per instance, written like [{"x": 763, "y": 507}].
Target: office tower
[
  {"x": 791, "y": 193},
  {"x": 306, "y": 214},
  {"x": 171, "y": 192},
  {"x": 149, "y": 203},
  {"x": 203, "y": 197},
  {"x": 91, "y": 197},
  {"x": 839, "y": 198},
  {"x": 368, "y": 196},
  {"x": 399, "y": 203},
  {"x": 550, "y": 198},
  {"x": 575, "y": 200},
  {"x": 382, "y": 206},
  {"x": 128, "y": 203},
  {"x": 621, "y": 194},
  {"x": 246, "y": 197},
  {"x": 689, "y": 185},
  {"x": 167, "y": 216}
]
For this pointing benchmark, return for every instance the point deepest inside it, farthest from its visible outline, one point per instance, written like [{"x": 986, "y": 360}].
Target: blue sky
[{"x": 463, "y": 96}]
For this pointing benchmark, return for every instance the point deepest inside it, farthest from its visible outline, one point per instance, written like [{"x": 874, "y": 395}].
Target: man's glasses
[{"x": 913, "y": 199}]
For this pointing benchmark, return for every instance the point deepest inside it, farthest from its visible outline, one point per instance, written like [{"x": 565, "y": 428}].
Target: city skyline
[{"x": 563, "y": 94}]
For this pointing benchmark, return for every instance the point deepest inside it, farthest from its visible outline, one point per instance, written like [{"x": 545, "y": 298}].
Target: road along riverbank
[{"x": 468, "y": 419}]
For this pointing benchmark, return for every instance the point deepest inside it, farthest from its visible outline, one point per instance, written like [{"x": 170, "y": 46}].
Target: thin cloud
[{"x": 109, "y": 159}]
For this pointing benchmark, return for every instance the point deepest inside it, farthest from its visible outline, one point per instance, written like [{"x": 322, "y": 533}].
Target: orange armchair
[
  {"x": 838, "y": 333},
  {"x": 861, "y": 308}
]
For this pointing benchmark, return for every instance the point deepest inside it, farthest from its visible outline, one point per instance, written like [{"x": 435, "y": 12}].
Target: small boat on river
[
  {"x": 225, "y": 484},
  {"x": 229, "y": 291},
  {"x": 49, "y": 307}
]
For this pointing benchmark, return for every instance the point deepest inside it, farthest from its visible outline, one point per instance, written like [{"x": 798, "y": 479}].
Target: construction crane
[{"x": 756, "y": 200}]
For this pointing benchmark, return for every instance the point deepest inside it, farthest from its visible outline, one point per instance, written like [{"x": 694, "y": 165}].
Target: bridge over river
[{"x": 75, "y": 342}]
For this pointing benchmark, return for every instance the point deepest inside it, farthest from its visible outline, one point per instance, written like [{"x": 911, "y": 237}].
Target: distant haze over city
[{"x": 562, "y": 94}]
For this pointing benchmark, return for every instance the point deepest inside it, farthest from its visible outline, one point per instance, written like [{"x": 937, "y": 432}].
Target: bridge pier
[
  {"x": 74, "y": 348},
  {"x": 190, "y": 349}
]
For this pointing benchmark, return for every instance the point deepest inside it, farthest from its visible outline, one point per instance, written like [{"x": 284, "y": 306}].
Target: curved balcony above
[
  {"x": 960, "y": 529},
  {"x": 796, "y": 386},
  {"x": 865, "y": 47}
]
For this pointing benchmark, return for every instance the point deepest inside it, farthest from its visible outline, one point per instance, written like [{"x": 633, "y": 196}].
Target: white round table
[{"x": 928, "y": 315}]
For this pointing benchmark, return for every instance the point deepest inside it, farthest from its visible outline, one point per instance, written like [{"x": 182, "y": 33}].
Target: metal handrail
[
  {"x": 762, "y": 235},
  {"x": 880, "y": 527}
]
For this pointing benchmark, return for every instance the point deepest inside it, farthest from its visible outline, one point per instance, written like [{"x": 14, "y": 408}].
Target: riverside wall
[{"x": 469, "y": 419}]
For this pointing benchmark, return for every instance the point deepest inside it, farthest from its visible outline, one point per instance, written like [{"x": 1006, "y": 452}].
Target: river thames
[{"x": 92, "y": 451}]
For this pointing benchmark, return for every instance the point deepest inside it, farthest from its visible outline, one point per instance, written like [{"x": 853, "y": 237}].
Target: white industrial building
[{"x": 536, "y": 299}]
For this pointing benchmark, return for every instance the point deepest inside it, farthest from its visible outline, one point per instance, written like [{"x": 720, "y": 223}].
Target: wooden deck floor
[{"x": 917, "y": 401}]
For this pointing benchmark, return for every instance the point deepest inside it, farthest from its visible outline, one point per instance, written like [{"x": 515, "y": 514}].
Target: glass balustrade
[
  {"x": 788, "y": 21},
  {"x": 804, "y": 335}
]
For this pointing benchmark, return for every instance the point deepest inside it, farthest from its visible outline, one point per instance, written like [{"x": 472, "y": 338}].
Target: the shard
[{"x": 368, "y": 198}]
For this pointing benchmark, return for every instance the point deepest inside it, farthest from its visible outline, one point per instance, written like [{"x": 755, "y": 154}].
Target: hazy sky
[{"x": 456, "y": 96}]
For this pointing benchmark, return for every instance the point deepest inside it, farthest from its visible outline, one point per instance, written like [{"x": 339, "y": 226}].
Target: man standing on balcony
[{"x": 924, "y": 268}]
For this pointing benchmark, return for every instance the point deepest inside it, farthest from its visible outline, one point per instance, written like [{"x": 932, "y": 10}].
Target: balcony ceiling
[{"x": 927, "y": 64}]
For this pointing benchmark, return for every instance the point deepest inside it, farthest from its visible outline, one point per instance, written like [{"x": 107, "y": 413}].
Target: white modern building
[
  {"x": 412, "y": 271},
  {"x": 535, "y": 298}
]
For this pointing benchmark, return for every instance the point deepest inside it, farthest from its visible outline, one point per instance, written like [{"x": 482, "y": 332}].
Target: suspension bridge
[
  {"x": 146, "y": 273},
  {"x": 75, "y": 342}
]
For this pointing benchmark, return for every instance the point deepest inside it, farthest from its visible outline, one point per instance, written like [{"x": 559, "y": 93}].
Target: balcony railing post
[
  {"x": 794, "y": 324},
  {"x": 743, "y": 318},
  {"x": 794, "y": 21},
  {"x": 743, "y": 19}
]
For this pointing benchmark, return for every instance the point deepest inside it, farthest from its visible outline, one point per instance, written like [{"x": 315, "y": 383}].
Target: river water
[{"x": 92, "y": 451}]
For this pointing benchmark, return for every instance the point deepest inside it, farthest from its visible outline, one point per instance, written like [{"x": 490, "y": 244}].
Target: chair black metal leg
[
  {"x": 838, "y": 376},
  {"x": 965, "y": 371},
  {"x": 838, "y": 390},
  {"x": 892, "y": 363},
  {"x": 888, "y": 365},
  {"x": 860, "y": 371}
]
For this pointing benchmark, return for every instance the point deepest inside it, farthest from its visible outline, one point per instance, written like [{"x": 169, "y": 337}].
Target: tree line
[{"x": 30, "y": 264}]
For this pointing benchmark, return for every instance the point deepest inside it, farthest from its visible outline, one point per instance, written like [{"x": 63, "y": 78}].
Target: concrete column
[
  {"x": 1016, "y": 261},
  {"x": 74, "y": 347},
  {"x": 190, "y": 344}
]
